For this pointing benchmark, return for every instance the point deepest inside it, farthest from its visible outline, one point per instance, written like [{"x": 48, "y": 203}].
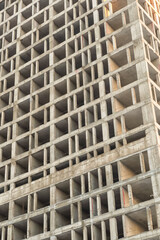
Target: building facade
[{"x": 79, "y": 119}]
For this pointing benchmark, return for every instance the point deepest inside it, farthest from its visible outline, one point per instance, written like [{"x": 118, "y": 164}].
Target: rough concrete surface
[{"x": 79, "y": 119}]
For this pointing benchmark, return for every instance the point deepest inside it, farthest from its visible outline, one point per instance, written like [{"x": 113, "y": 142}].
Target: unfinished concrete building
[{"x": 79, "y": 119}]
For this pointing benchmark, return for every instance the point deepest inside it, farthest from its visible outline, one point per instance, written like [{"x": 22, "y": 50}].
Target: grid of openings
[
  {"x": 151, "y": 38},
  {"x": 98, "y": 192},
  {"x": 71, "y": 89},
  {"x": 47, "y": 67}
]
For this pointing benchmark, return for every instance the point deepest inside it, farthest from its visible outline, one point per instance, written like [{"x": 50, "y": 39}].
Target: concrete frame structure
[{"x": 79, "y": 119}]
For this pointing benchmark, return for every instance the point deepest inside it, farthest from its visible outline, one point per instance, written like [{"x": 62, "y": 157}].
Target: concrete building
[{"x": 79, "y": 119}]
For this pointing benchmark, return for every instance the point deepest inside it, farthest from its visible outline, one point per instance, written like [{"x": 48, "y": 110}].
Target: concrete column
[
  {"x": 113, "y": 229},
  {"x": 103, "y": 227}
]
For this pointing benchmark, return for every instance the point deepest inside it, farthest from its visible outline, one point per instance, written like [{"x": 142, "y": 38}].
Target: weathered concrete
[{"x": 79, "y": 119}]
